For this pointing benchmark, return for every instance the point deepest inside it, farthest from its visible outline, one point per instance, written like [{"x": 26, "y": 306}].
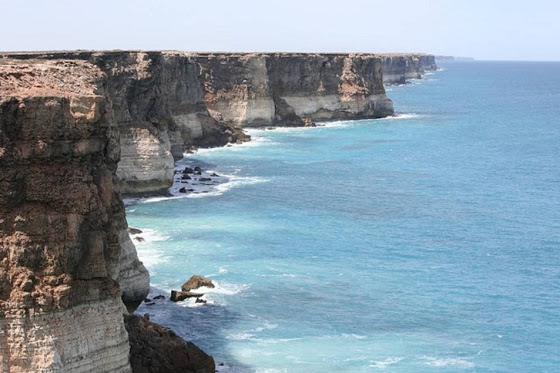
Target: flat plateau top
[
  {"x": 84, "y": 53},
  {"x": 47, "y": 78}
]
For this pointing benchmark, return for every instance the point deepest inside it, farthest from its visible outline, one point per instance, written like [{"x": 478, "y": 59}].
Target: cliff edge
[{"x": 66, "y": 260}]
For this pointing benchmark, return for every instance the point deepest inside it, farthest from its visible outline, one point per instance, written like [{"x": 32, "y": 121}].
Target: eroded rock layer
[
  {"x": 62, "y": 223},
  {"x": 292, "y": 89}
]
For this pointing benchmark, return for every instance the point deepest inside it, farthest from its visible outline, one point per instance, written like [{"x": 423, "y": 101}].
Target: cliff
[
  {"x": 292, "y": 89},
  {"x": 166, "y": 102},
  {"x": 77, "y": 128},
  {"x": 399, "y": 68},
  {"x": 66, "y": 260}
]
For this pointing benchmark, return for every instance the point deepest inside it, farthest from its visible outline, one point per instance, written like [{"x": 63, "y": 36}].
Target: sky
[{"x": 483, "y": 29}]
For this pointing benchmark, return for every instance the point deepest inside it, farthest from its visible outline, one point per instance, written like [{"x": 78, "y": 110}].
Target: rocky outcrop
[
  {"x": 196, "y": 282},
  {"x": 166, "y": 102},
  {"x": 193, "y": 283},
  {"x": 399, "y": 68},
  {"x": 156, "y": 349}
]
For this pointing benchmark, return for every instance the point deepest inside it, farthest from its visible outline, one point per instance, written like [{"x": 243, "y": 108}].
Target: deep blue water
[{"x": 426, "y": 243}]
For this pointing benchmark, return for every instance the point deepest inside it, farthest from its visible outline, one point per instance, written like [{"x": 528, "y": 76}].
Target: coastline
[
  {"x": 99, "y": 128},
  {"x": 206, "y": 99},
  {"x": 222, "y": 182}
]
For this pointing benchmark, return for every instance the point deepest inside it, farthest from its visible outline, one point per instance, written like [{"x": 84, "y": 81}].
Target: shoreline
[
  {"x": 117, "y": 122},
  {"x": 207, "y": 188}
]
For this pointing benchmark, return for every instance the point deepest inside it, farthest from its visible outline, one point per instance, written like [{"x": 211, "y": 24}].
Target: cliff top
[
  {"x": 32, "y": 77},
  {"x": 85, "y": 53}
]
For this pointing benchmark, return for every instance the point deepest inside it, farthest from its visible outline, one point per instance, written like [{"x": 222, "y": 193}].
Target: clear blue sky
[{"x": 484, "y": 29}]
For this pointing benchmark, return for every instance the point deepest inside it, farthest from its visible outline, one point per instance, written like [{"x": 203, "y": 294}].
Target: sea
[{"x": 424, "y": 242}]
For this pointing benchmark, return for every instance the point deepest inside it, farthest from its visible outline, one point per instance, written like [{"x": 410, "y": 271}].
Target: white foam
[
  {"x": 148, "y": 235},
  {"x": 151, "y": 259},
  {"x": 217, "y": 295},
  {"x": 353, "y": 336},
  {"x": 248, "y": 336},
  {"x": 344, "y": 336},
  {"x": 275, "y": 340},
  {"x": 256, "y": 140},
  {"x": 385, "y": 363},
  {"x": 267, "y": 326},
  {"x": 405, "y": 116},
  {"x": 239, "y": 336},
  {"x": 289, "y": 275},
  {"x": 259, "y": 132},
  {"x": 218, "y": 185},
  {"x": 191, "y": 302},
  {"x": 448, "y": 362},
  {"x": 271, "y": 370},
  {"x": 221, "y": 270},
  {"x": 147, "y": 255},
  {"x": 225, "y": 288}
]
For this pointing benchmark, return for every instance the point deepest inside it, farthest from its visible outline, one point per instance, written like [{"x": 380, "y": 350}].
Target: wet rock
[
  {"x": 196, "y": 282},
  {"x": 134, "y": 230},
  {"x": 177, "y": 296},
  {"x": 159, "y": 297},
  {"x": 308, "y": 122},
  {"x": 202, "y": 179},
  {"x": 139, "y": 239},
  {"x": 188, "y": 170},
  {"x": 154, "y": 348},
  {"x": 186, "y": 177}
]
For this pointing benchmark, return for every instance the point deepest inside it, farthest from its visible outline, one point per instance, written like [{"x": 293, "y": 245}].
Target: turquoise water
[{"x": 424, "y": 243}]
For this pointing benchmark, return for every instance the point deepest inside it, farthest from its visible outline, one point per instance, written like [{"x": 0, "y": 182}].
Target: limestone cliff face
[
  {"x": 165, "y": 102},
  {"x": 292, "y": 89},
  {"x": 159, "y": 107},
  {"x": 329, "y": 87},
  {"x": 62, "y": 223},
  {"x": 399, "y": 68}
]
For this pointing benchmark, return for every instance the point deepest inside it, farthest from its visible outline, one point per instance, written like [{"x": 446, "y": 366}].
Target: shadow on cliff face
[{"x": 204, "y": 325}]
